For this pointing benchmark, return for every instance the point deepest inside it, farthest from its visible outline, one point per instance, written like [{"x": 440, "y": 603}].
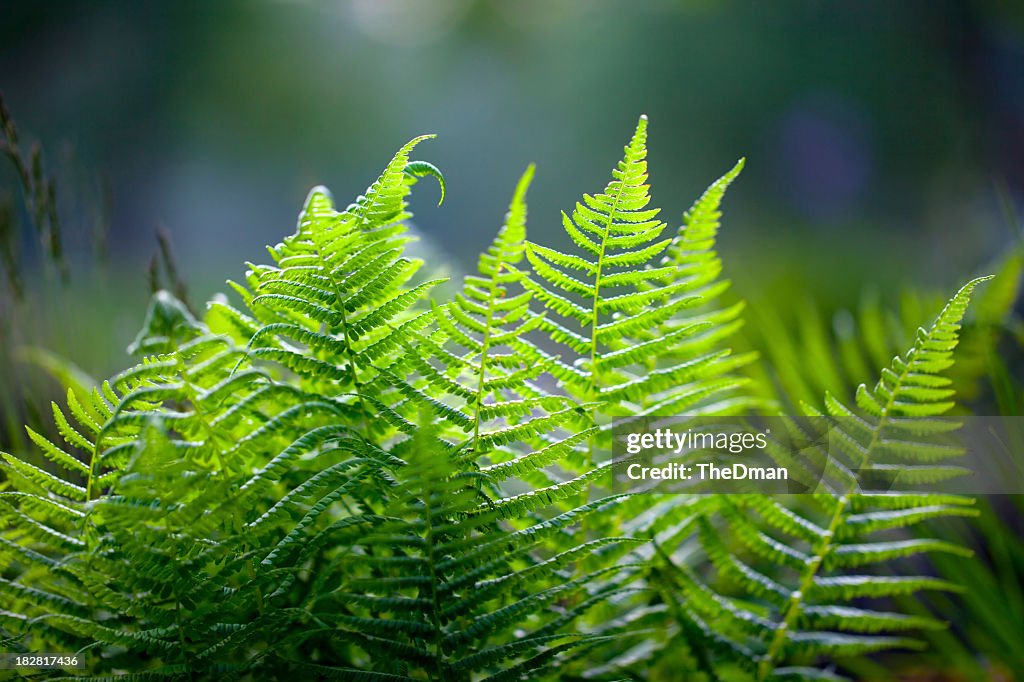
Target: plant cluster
[{"x": 342, "y": 478}]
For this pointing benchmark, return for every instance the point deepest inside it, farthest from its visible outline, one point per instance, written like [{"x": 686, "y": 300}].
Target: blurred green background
[{"x": 876, "y": 132}]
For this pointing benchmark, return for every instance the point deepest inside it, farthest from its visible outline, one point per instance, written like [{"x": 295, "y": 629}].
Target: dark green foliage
[
  {"x": 436, "y": 585},
  {"x": 341, "y": 478}
]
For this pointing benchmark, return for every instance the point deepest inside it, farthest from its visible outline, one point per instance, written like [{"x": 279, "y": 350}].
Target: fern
[
  {"x": 477, "y": 355},
  {"x": 422, "y": 590},
  {"x": 631, "y": 342},
  {"x": 812, "y": 619},
  {"x": 335, "y": 308},
  {"x": 342, "y": 478},
  {"x": 692, "y": 254}
]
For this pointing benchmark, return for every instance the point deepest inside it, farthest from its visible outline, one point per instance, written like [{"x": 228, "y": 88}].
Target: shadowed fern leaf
[
  {"x": 434, "y": 585},
  {"x": 771, "y": 623},
  {"x": 844, "y": 347},
  {"x": 152, "y": 465}
]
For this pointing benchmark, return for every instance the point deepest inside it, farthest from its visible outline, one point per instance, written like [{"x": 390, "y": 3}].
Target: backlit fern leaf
[
  {"x": 616, "y": 236},
  {"x": 334, "y": 309},
  {"x": 619, "y": 312},
  {"x": 692, "y": 254},
  {"x": 478, "y": 358}
]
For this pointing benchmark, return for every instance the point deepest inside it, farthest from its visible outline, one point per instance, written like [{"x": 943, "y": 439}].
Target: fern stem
[
  {"x": 593, "y": 326},
  {"x": 349, "y": 355},
  {"x": 795, "y": 604},
  {"x": 796, "y": 600},
  {"x": 93, "y": 461},
  {"x": 483, "y": 354},
  {"x": 435, "y": 620}
]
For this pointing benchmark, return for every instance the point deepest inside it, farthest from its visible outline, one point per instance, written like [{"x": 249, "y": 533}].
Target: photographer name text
[{"x": 706, "y": 471}]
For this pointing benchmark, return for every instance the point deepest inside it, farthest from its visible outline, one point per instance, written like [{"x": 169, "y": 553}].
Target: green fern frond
[
  {"x": 693, "y": 258},
  {"x": 483, "y": 327},
  {"x": 613, "y": 223},
  {"x": 811, "y": 617},
  {"x": 637, "y": 330},
  {"x": 335, "y": 309},
  {"x": 445, "y": 592}
]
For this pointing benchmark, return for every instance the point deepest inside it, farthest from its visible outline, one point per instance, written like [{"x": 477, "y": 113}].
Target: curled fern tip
[{"x": 419, "y": 169}]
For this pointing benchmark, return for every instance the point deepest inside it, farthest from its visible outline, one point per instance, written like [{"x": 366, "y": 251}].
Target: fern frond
[
  {"x": 812, "y": 618},
  {"x": 633, "y": 310},
  {"x": 446, "y": 592},
  {"x": 335, "y": 308},
  {"x": 484, "y": 327}
]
